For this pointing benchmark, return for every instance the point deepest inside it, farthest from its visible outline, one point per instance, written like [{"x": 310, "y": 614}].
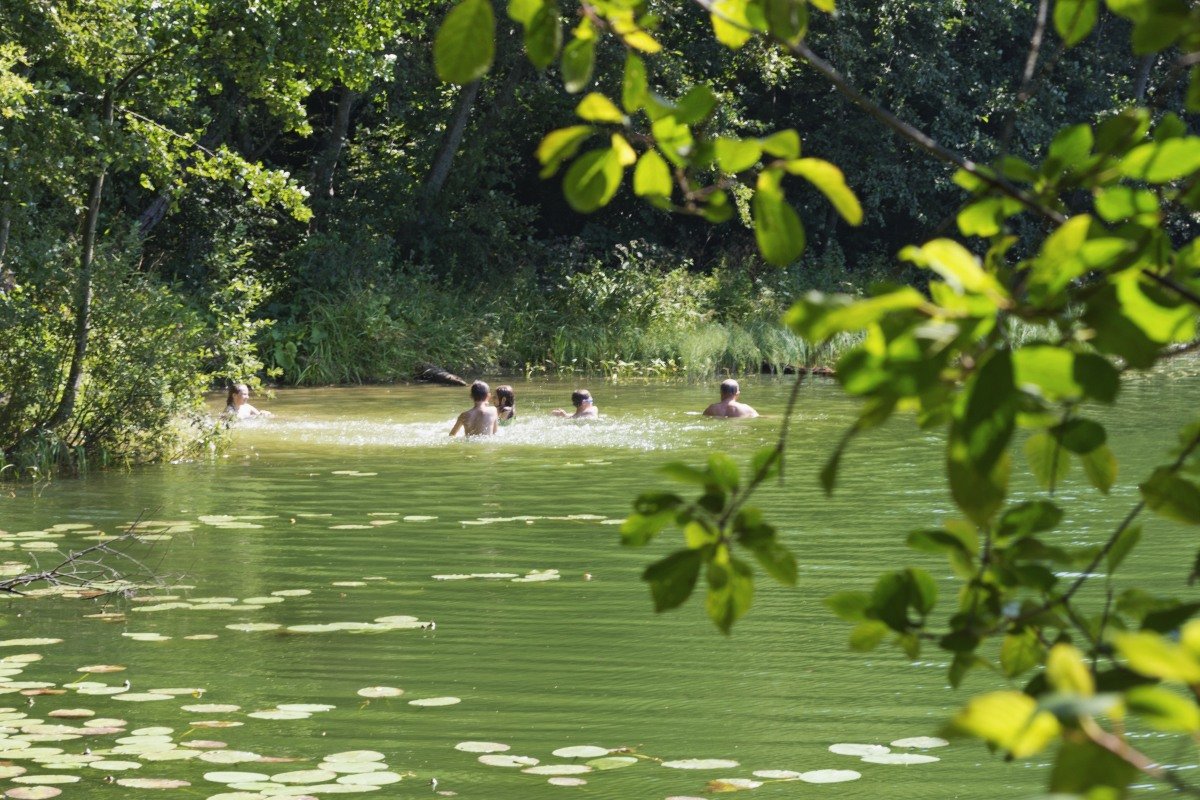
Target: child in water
[
  {"x": 482, "y": 419},
  {"x": 584, "y": 407},
  {"x": 506, "y": 404},
  {"x": 237, "y": 403}
]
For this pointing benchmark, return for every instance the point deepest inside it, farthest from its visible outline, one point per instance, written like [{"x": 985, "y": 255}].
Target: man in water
[
  {"x": 729, "y": 405},
  {"x": 584, "y": 407},
  {"x": 480, "y": 420}
]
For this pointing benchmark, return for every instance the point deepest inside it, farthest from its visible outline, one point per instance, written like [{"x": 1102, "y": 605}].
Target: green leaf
[
  {"x": 922, "y": 590},
  {"x": 593, "y": 179},
  {"x": 890, "y": 600},
  {"x": 523, "y": 11},
  {"x": 1172, "y": 496},
  {"x": 1084, "y": 769},
  {"x": 1126, "y": 541},
  {"x": 1047, "y": 371},
  {"x": 657, "y": 502},
  {"x": 1010, "y": 720},
  {"x": 595, "y": 107},
  {"x": 1098, "y": 377},
  {"x": 1048, "y": 459},
  {"x": 684, "y": 473},
  {"x": 867, "y": 635},
  {"x": 787, "y": 20},
  {"x": 639, "y": 529},
  {"x": 717, "y": 208},
  {"x": 1020, "y": 652},
  {"x": 1069, "y": 148},
  {"x": 464, "y": 47},
  {"x": 777, "y": 561},
  {"x": 1074, "y": 19},
  {"x": 1162, "y": 162},
  {"x": 543, "y": 36},
  {"x": 578, "y": 61},
  {"x": 730, "y": 592},
  {"x": 731, "y": 26},
  {"x": 1151, "y": 654},
  {"x": 1163, "y": 709},
  {"x": 777, "y": 227},
  {"x": 737, "y": 155},
  {"x": 1080, "y": 436},
  {"x": 651, "y": 176},
  {"x": 723, "y": 471},
  {"x": 954, "y": 263},
  {"x": 1026, "y": 519},
  {"x": 635, "y": 85},
  {"x": 850, "y": 606},
  {"x": 831, "y": 183},
  {"x": 673, "y": 578},
  {"x": 1100, "y": 466},
  {"x": 977, "y": 450},
  {"x": 1067, "y": 673},
  {"x": 981, "y": 218},
  {"x": 696, "y": 105},
  {"x": 561, "y": 145},
  {"x": 828, "y": 6},
  {"x": 782, "y": 144}
]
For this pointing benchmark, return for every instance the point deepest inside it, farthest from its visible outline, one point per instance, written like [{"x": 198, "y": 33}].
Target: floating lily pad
[
  {"x": 207, "y": 744},
  {"x": 776, "y": 774},
  {"x": 215, "y": 723},
  {"x": 732, "y": 784},
  {"x": 846, "y": 749},
  {"x": 278, "y": 714},
  {"x": 350, "y": 527},
  {"x": 199, "y": 637},
  {"x": 830, "y": 776},
  {"x": 194, "y": 691},
  {"x": 921, "y": 742},
  {"x": 263, "y": 601},
  {"x": 349, "y": 768},
  {"x": 567, "y": 782},
  {"x": 581, "y": 751},
  {"x": 453, "y": 577},
  {"x": 397, "y": 619},
  {"x": 291, "y": 592},
  {"x": 900, "y": 758},
  {"x": 612, "y": 762},
  {"x": 115, "y": 766},
  {"x": 146, "y": 637},
  {"x": 558, "y": 769},
  {"x": 355, "y": 756},
  {"x": 33, "y": 792},
  {"x": 253, "y": 627},
  {"x": 304, "y": 776},
  {"x": 482, "y": 747},
  {"x": 235, "y": 777},
  {"x": 349, "y": 584},
  {"x": 308, "y": 708},
  {"x": 211, "y": 708},
  {"x": 419, "y": 518},
  {"x": 152, "y": 783},
  {"x": 382, "y": 778},
  {"x": 72, "y": 713},
  {"x": 33, "y": 642},
  {"x": 229, "y": 756},
  {"x": 430, "y": 702},
  {"x": 46, "y": 780},
  {"x": 497, "y": 760},
  {"x": 701, "y": 763},
  {"x": 98, "y": 669},
  {"x": 142, "y": 697},
  {"x": 380, "y": 691},
  {"x": 11, "y": 771}
]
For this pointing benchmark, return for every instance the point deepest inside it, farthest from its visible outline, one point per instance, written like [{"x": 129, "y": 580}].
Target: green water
[{"x": 538, "y": 665}]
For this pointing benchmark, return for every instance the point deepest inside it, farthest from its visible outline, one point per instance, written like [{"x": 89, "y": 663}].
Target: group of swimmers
[{"x": 483, "y": 418}]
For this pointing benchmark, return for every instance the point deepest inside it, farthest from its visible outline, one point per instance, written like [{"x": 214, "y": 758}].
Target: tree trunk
[
  {"x": 440, "y": 170},
  {"x": 326, "y": 166},
  {"x": 1142, "y": 78},
  {"x": 83, "y": 292}
]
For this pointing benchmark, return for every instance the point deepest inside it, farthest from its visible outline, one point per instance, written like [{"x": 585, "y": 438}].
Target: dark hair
[
  {"x": 234, "y": 389},
  {"x": 506, "y": 397},
  {"x": 729, "y": 388},
  {"x": 579, "y": 395},
  {"x": 480, "y": 391}
]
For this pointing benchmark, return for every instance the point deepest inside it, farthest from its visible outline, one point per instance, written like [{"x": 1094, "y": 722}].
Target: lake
[{"x": 297, "y": 574}]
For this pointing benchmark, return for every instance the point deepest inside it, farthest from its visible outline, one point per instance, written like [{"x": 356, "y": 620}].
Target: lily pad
[
  {"x": 612, "y": 762},
  {"x": 921, "y": 742},
  {"x": 304, "y": 776},
  {"x": 216, "y": 723},
  {"x": 291, "y": 592},
  {"x": 279, "y": 714},
  {"x": 308, "y": 708},
  {"x": 776, "y": 774},
  {"x": 900, "y": 758},
  {"x": 432, "y": 702},
  {"x": 142, "y": 697},
  {"x": 11, "y": 771},
  {"x": 96, "y": 669},
  {"x": 46, "y": 780},
  {"x": 211, "y": 708},
  {"x": 115, "y": 766},
  {"x": 229, "y": 756},
  {"x": 847, "y": 749},
  {"x": 566, "y": 781},
  {"x": 152, "y": 783},
  {"x": 482, "y": 747},
  {"x": 701, "y": 763},
  {"x": 235, "y": 777},
  {"x": 419, "y": 518},
  {"x": 830, "y": 776},
  {"x": 253, "y": 627},
  {"x": 382, "y": 778},
  {"x": 72, "y": 713},
  {"x": 33, "y": 792},
  {"x": 496, "y": 760},
  {"x": 356, "y": 756},
  {"x": 558, "y": 769},
  {"x": 380, "y": 691},
  {"x": 581, "y": 751},
  {"x": 33, "y": 642}
]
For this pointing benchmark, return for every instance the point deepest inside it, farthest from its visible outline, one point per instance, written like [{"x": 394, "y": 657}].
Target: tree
[{"x": 1089, "y": 238}]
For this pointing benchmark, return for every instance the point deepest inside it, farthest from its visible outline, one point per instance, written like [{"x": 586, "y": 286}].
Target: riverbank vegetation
[{"x": 295, "y": 195}]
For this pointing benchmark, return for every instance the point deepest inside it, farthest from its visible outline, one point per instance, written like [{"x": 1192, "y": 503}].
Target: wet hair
[
  {"x": 729, "y": 388},
  {"x": 480, "y": 391},
  {"x": 579, "y": 395},
  {"x": 506, "y": 398},
  {"x": 234, "y": 390}
]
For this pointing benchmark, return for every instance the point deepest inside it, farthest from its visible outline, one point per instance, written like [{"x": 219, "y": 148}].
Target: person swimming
[
  {"x": 237, "y": 403},
  {"x": 730, "y": 406},
  {"x": 585, "y": 407},
  {"x": 482, "y": 419},
  {"x": 506, "y": 404}
]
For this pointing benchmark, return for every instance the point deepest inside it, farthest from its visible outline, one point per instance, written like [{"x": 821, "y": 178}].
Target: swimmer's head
[
  {"x": 729, "y": 388},
  {"x": 580, "y": 396},
  {"x": 237, "y": 390},
  {"x": 505, "y": 396},
  {"x": 480, "y": 391}
]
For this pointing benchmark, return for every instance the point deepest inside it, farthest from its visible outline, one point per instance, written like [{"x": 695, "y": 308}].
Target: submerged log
[{"x": 435, "y": 374}]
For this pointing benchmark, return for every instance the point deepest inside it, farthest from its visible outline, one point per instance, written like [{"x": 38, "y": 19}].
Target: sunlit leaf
[{"x": 464, "y": 46}]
